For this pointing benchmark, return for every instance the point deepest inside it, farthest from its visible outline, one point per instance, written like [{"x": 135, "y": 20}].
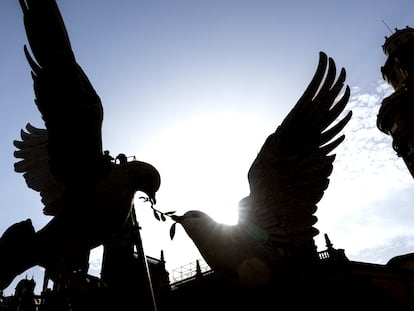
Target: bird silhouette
[
  {"x": 287, "y": 179},
  {"x": 89, "y": 196}
]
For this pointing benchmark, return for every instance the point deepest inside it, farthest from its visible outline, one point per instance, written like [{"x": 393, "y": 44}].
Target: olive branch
[{"x": 161, "y": 216}]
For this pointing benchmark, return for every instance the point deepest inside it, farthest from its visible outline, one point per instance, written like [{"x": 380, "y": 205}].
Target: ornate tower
[{"x": 396, "y": 114}]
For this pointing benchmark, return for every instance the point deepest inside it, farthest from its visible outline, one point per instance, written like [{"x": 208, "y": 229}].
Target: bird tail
[{"x": 16, "y": 251}]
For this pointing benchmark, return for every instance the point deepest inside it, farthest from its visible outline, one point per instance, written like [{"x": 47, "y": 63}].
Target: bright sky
[{"x": 195, "y": 87}]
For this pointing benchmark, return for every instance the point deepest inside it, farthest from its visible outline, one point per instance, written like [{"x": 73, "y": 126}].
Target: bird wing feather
[
  {"x": 291, "y": 172},
  {"x": 34, "y": 164},
  {"x": 69, "y": 106}
]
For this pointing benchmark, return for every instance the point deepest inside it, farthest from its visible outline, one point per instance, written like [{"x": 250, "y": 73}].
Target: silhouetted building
[
  {"x": 396, "y": 115},
  {"x": 137, "y": 281},
  {"x": 23, "y": 299},
  {"x": 336, "y": 284}
]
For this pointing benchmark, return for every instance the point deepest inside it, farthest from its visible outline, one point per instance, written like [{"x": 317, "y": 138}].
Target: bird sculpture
[
  {"x": 287, "y": 179},
  {"x": 88, "y": 196}
]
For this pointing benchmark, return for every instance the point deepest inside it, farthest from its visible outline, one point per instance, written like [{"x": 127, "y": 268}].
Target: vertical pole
[{"x": 143, "y": 258}]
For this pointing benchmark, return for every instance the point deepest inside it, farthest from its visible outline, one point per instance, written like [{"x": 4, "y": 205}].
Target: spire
[
  {"x": 198, "y": 269},
  {"x": 162, "y": 256},
  {"x": 329, "y": 245}
]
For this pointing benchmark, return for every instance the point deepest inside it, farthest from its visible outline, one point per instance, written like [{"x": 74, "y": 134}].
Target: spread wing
[
  {"x": 291, "y": 171},
  {"x": 32, "y": 149},
  {"x": 68, "y": 104}
]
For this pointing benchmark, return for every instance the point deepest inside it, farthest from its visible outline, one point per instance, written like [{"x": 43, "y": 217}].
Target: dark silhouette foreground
[{"x": 89, "y": 196}]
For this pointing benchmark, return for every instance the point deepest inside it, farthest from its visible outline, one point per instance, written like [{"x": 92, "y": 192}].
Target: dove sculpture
[
  {"x": 287, "y": 179},
  {"x": 89, "y": 196}
]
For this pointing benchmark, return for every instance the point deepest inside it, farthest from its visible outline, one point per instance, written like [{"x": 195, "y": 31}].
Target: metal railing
[{"x": 189, "y": 270}]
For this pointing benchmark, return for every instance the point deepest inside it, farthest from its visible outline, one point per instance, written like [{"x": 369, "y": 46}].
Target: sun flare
[{"x": 211, "y": 176}]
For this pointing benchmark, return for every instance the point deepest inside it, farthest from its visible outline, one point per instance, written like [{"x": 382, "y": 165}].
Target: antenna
[{"x": 387, "y": 26}]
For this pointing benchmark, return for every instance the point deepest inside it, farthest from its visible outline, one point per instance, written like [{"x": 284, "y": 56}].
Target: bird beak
[
  {"x": 176, "y": 218},
  {"x": 152, "y": 199}
]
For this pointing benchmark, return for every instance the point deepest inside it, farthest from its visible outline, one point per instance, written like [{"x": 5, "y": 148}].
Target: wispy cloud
[
  {"x": 398, "y": 245},
  {"x": 367, "y": 208},
  {"x": 367, "y": 151}
]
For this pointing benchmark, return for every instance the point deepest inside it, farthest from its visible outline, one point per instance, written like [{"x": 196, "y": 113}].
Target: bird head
[
  {"x": 176, "y": 218},
  {"x": 189, "y": 217},
  {"x": 146, "y": 178},
  {"x": 197, "y": 224},
  {"x": 209, "y": 237},
  {"x": 190, "y": 220}
]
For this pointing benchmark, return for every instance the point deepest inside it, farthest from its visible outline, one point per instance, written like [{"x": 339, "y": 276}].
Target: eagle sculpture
[
  {"x": 89, "y": 196},
  {"x": 287, "y": 179}
]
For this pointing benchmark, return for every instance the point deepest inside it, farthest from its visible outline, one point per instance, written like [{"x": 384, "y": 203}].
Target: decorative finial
[
  {"x": 329, "y": 245},
  {"x": 198, "y": 269}
]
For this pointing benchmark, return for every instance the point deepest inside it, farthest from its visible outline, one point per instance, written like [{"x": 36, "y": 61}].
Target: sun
[{"x": 204, "y": 162}]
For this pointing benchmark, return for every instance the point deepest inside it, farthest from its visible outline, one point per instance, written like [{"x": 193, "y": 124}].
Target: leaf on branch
[
  {"x": 156, "y": 215},
  {"x": 172, "y": 230},
  {"x": 163, "y": 217},
  {"x": 170, "y": 213}
]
